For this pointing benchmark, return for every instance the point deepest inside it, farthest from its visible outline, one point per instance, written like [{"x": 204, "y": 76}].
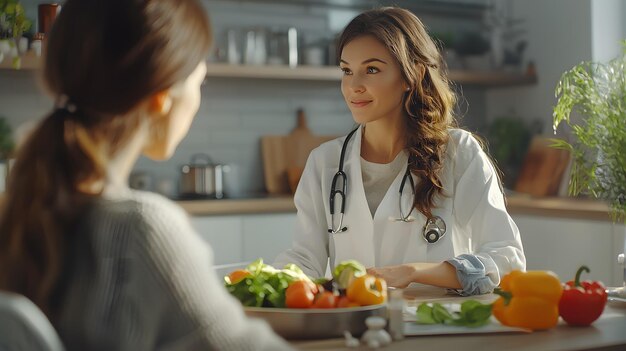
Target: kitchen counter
[
  {"x": 267, "y": 204},
  {"x": 607, "y": 333},
  {"x": 517, "y": 204}
]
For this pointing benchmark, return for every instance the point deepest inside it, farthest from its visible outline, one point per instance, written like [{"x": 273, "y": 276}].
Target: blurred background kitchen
[{"x": 236, "y": 168}]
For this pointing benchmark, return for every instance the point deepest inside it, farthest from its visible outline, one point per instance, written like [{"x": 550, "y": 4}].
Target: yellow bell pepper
[
  {"x": 528, "y": 300},
  {"x": 367, "y": 290}
]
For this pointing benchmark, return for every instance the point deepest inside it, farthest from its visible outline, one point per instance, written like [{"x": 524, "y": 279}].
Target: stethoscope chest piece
[{"x": 434, "y": 229}]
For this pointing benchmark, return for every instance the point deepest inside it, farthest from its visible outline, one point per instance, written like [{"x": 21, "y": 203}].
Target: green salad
[{"x": 265, "y": 285}]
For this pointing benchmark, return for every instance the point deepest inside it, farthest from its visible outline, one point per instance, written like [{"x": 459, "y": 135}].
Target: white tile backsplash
[
  {"x": 233, "y": 118},
  {"x": 21, "y": 98}
]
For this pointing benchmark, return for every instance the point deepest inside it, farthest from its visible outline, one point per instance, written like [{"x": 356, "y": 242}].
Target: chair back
[{"x": 23, "y": 326}]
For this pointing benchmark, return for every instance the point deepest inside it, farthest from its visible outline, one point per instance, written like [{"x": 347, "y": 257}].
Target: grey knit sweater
[{"x": 141, "y": 279}]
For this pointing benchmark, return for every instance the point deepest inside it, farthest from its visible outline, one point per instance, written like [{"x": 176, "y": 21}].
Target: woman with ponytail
[
  {"x": 113, "y": 268},
  {"x": 409, "y": 195}
]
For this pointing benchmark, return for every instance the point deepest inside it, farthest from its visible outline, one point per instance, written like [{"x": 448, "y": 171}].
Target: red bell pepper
[{"x": 582, "y": 302}]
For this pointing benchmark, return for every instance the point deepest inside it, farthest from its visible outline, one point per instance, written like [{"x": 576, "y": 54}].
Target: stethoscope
[{"x": 434, "y": 229}]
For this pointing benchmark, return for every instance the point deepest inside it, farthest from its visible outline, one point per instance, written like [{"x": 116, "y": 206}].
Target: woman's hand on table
[
  {"x": 399, "y": 276},
  {"x": 438, "y": 274}
]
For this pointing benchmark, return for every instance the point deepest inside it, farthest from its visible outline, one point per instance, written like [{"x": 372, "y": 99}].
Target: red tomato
[
  {"x": 299, "y": 295},
  {"x": 344, "y": 302},
  {"x": 325, "y": 300},
  {"x": 238, "y": 275}
]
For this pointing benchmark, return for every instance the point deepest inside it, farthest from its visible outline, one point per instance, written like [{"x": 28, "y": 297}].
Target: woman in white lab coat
[{"x": 422, "y": 201}]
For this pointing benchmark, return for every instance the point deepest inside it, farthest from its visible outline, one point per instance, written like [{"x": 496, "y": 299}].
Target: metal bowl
[{"x": 297, "y": 323}]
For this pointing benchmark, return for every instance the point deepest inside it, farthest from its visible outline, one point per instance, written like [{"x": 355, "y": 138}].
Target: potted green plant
[
  {"x": 472, "y": 49},
  {"x": 13, "y": 24},
  {"x": 596, "y": 93},
  {"x": 509, "y": 138},
  {"x": 13, "y": 21}
]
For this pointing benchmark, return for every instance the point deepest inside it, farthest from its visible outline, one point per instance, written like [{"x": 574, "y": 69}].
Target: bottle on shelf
[{"x": 37, "y": 43}]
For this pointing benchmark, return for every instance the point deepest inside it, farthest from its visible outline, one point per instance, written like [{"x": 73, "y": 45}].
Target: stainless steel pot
[{"x": 202, "y": 177}]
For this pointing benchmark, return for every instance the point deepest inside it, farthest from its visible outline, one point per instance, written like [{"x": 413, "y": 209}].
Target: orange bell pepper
[
  {"x": 528, "y": 300},
  {"x": 367, "y": 290}
]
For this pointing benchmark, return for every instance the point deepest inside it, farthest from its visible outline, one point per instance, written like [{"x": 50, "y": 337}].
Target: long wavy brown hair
[
  {"x": 430, "y": 101},
  {"x": 104, "y": 58}
]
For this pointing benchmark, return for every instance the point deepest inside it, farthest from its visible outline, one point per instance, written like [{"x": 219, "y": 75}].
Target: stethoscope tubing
[{"x": 434, "y": 221}]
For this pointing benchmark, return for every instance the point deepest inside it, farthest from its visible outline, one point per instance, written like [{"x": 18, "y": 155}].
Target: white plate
[{"x": 412, "y": 328}]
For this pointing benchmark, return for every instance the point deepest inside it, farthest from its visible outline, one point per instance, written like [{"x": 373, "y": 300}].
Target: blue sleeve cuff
[{"x": 471, "y": 273}]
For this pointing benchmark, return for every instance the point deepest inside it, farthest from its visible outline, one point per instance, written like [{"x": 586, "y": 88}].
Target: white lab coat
[{"x": 473, "y": 210}]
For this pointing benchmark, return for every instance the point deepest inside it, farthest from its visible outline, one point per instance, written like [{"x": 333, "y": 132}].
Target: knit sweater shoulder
[{"x": 140, "y": 278}]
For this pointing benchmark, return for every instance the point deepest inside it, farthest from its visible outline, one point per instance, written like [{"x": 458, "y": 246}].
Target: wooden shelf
[
  {"x": 224, "y": 70},
  {"x": 491, "y": 79},
  {"x": 276, "y": 204},
  {"x": 315, "y": 73},
  {"x": 562, "y": 207},
  {"x": 29, "y": 61}
]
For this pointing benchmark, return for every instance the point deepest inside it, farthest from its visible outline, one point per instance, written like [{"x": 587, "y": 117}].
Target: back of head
[
  {"x": 103, "y": 60},
  {"x": 430, "y": 101},
  {"x": 107, "y": 56}
]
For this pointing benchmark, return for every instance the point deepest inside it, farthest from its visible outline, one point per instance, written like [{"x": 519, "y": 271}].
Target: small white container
[
  {"x": 22, "y": 45},
  {"x": 36, "y": 46},
  {"x": 5, "y": 46}
]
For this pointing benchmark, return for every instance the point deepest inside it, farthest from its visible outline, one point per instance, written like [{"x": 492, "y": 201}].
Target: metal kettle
[{"x": 202, "y": 177}]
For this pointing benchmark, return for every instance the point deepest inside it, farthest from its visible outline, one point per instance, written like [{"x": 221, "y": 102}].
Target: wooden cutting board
[
  {"x": 288, "y": 154},
  {"x": 543, "y": 169}
]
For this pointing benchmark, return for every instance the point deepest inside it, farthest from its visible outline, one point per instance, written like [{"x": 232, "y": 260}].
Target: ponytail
[{"x": 46, "y": 194}]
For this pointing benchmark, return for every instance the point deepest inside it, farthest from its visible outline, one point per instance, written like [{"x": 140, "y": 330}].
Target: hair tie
[{"x": 64, "y": 103}]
